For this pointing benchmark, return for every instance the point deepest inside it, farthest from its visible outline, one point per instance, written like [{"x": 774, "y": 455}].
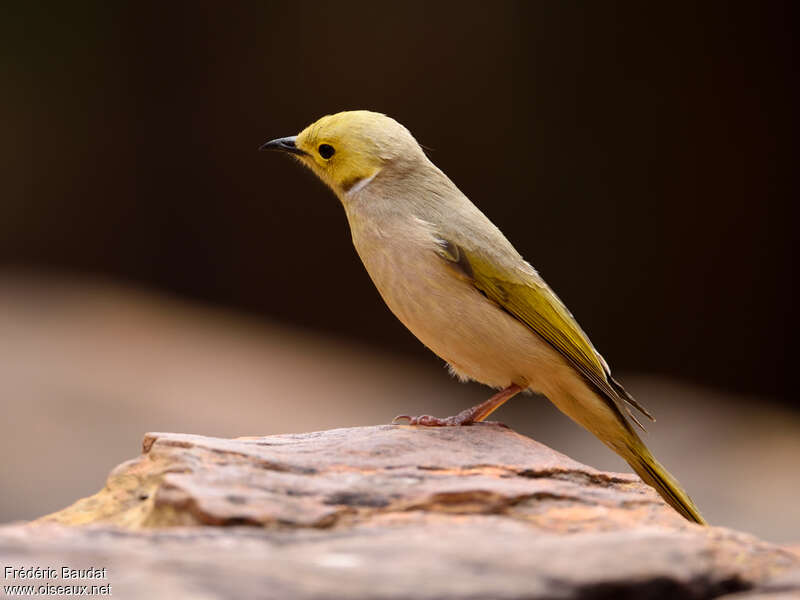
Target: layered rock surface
[{"x": 390, "y": 512}]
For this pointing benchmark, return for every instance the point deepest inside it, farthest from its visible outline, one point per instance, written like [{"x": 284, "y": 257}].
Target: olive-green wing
[{"x": 529, "y": 299}]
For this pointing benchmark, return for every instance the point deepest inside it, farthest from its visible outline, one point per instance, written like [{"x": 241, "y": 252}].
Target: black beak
[{"x": 283, "y": 144}]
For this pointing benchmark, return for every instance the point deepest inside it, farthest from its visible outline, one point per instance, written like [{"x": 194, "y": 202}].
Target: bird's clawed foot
[
  {"x": 470, "y": 416},
  {"x": 431, "y": 421},
  {"x": 455, "y": 421}
]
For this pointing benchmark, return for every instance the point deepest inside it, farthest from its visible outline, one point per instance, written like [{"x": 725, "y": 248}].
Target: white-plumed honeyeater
[{"x": 459, "y": 285}]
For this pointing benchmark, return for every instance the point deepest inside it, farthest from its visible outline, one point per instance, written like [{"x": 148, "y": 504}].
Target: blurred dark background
[
  {"x": 637, "y": 155},
  {"x": 632, "y": 152}
]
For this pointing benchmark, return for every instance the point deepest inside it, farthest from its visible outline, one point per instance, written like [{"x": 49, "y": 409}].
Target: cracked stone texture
[{"x": 390, "y": 512}]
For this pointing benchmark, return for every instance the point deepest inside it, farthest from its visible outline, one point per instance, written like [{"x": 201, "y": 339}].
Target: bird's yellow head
[{"x": 349, "y": 149}]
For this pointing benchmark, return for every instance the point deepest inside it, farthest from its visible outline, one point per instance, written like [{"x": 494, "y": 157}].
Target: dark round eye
[{"x": 326, "y": 151}]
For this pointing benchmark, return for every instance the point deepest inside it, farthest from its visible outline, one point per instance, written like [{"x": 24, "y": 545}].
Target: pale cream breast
[{"x": 446, "y": 313}]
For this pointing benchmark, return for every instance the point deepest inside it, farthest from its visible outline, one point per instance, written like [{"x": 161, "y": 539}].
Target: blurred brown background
[{"x": 156, "y": 272}]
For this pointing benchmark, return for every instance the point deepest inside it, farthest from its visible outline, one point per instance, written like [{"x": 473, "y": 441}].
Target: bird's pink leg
[{"x": 469, "y": 416}]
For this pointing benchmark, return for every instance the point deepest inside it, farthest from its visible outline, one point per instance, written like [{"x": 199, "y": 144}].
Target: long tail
[
  {"x": 605, "y": 419},
  {"x": 639, "y": 457}
]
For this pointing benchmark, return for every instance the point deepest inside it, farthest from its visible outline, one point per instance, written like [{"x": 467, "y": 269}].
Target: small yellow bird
[{"x": 462, "y": 289}]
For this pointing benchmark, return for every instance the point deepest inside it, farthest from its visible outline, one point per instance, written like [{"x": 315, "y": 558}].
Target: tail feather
[
  {"x": 654, "y": 474},
  {"x": 606, "y": 420}
]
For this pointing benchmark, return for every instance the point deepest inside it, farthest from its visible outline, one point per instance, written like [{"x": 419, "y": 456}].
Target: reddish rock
[{"x": 390, "y": 512}]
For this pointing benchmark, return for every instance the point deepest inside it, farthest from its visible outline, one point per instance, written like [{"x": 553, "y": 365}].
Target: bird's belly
[{"x": 446, "y": 313}]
